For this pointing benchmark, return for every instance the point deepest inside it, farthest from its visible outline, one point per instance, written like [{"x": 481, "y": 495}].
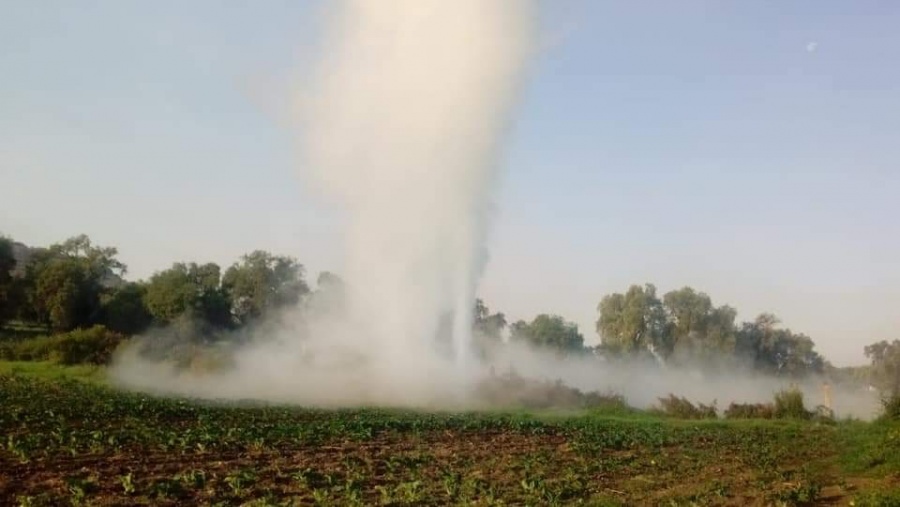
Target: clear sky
[{"x": 747, "y": 149}]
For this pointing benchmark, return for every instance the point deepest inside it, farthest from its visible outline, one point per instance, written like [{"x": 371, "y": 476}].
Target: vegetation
[
  {"x": 81, "y": 346},
  {"x": 70, "y": 442},
  {"x": 68, "y": 438}
]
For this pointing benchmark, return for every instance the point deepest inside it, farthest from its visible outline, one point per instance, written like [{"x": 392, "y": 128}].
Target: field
[{"x": 67, "y": 439}]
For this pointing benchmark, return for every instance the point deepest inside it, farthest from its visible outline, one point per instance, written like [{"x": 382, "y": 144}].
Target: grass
[
  {"x": 67, "y": 438},
  {"x": 51, "y": 371}
]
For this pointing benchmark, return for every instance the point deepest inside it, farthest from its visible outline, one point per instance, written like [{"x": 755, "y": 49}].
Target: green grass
[{"x": 51, "y": 371}]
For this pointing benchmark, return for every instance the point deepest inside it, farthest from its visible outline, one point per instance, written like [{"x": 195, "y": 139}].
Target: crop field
[{"x": 75, "y": 442}]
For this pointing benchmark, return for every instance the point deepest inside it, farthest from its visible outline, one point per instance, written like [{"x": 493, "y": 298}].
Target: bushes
[
  {"x": 511, "y": 390},
  {"x": 789, "y": 405},
  {"x": 682, "y": 408},
  {"x": 750, "y": 411},
  {"x": 890, "y": 404},
  {"x": 81, "y": 346}
]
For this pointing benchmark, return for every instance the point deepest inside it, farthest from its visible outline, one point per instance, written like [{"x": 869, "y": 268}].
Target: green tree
[
  {"x": 697, "y": 330},
  {"x": 125, "y": 311},
  {"x": 487, "y": 329},
  {"x": 8, "y": 301},
  {"x": 261, "y": 282},
  {"x": 487, "y": 324},
  {"x": 59, "y": 296},
  {"x": 189, "y": 291},
  {"x": 633, "y": 322},
  {"x": 777, "y": 351},
  {"x": 885, "y": 367},
  {"x": 549, "y": 332},
  {"x": 66, "y": 282}
]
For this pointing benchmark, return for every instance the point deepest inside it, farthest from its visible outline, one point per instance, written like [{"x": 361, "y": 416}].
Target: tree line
[{"x": 77, "y": 284}]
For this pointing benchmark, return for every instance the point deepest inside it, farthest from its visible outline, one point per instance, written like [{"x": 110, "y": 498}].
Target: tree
[
  {"x": 191, "y": 291},
  {"x": 487, "y": 329},
  {"x": 125, "y": 311},
  {"x": 770, "y": 349},
  {"x": 8, "y": 302},
  {"x": 66, "y": 282},
  {"x": 59, "y": 295},
  {"x": 261, "y": 282},
  {"x": 696, "y": 329},
  {"x": 486, "y": 324},
  {"x": 885, "y": 372},
  {"x": 549, "y": 332},
  {"x": 633, "y": 321}
]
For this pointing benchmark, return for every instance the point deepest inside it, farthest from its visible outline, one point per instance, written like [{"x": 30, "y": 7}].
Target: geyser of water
[{"x": 402, "y": 128}]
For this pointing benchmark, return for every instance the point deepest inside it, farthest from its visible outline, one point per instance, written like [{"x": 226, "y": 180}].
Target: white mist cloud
[{"x": 401, "y": 127}]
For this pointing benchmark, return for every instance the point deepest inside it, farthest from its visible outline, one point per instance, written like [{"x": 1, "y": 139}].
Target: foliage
[
  {"x": 81, "y": 346},
  {"x": 7, "y": 264},
  {"x": 66, "y": 282},
  {"x": 885, "y": 367},
  {"x": 633, "y": 321},
  {"x": 94, "y": 445},
  {"x": 124, "y": 310},
  {"x": 682, "y": 408},
  {"x": 789, "y": 405},
  {"x": 890, "y": 405},
  {"x": 261, "y": 282},
  {"x": 777, "y": 351},
  {"x": 750, "y": 411},
  {"x": 188, "y": 291},
  {"x": 487, "y": 329},
  {"x": 685, "y": 327},
  {"x": 697, "y": 331},
  {"x": 514, "y": 391},
  {"x": 549, "y": 332}
]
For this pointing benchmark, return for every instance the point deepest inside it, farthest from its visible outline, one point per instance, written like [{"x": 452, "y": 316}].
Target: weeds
[
  {"x": 681, "y": 408},
  {"x": 789, "y": 405}
]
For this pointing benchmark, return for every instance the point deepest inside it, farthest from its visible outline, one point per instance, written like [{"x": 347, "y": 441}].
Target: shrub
[
  {"x": 682, "y": 408},
  {"x": 750, "y": 411},
  {"x": 512, "y": 390},
  {"x": 890, "y": 405},
  {"x": 81, "y": 346},
  {"x": 789, "y": 405}
]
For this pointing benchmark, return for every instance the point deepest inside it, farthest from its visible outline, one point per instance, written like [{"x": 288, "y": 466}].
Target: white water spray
[{"x": 403, "y": 128}]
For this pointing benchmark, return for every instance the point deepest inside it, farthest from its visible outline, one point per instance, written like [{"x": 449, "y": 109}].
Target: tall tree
[
  {"x": 549, "y": 332},
  {"x": 125, "y": 311},
  {"x": 188, "y": 291},
  {"x": 486, "y": 324},
  {"x": 487, "y": 329},
  {"x": 770, "y": 349},
  {"x": 8, "y": 301},
  {"x": 697, "y": 330},
  {"x": 885, "y": 373},
  {"x": 633, "y": 321},
  {"x": 261, "y": 282},
  {"x": 66, "y": 282}
]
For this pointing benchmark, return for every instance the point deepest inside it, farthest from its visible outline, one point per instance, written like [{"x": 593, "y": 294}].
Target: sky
[{"x": 750, "y": 150}]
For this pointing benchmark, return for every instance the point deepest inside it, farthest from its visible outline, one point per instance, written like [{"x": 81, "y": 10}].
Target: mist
[{"x": 402, "y": 129}]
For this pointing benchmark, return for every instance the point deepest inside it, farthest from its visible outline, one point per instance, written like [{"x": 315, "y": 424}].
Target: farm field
[{"x": 70, "y": 440}]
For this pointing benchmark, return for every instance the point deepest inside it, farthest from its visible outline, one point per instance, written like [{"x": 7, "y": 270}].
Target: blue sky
[{"x": 748, "y": 149}]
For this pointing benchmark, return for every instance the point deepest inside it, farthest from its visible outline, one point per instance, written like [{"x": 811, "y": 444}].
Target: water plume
[{"x": 401, "y": 126}]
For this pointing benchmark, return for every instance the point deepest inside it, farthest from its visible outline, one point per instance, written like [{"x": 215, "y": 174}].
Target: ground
[{"x": 70, "y": 439}]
